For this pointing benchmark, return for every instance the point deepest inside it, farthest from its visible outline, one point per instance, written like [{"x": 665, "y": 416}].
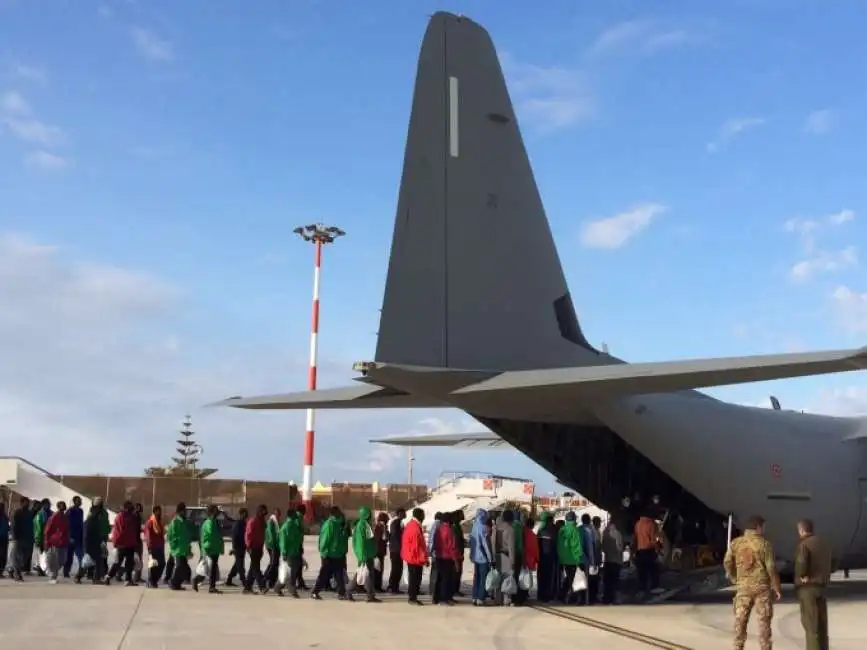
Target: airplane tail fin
[{"x": 474, "y": 280}]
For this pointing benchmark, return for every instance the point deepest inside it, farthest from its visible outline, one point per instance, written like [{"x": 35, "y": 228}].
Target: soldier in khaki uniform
[
  {"x": 812, "y": 575},
  {"x": 749, "y": 564}
]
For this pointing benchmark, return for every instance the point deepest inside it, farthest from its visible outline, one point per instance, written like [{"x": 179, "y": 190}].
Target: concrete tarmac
[{"x": 36, "y": 615}]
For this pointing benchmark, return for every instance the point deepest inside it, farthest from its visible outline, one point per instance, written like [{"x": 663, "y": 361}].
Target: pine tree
[{"x": 188, "y": 450}]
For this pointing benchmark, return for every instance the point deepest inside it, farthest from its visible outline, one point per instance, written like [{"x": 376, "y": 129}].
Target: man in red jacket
[
  {"x": 125, "y": 536},
  {"x": 55, "y": 540},
  {"x": 254, "y": 540},
  {"x": 413, "y": 551}
]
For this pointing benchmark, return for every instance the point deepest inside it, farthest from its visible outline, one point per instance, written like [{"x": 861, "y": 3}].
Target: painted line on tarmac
[{"x": 646, "y": 639}]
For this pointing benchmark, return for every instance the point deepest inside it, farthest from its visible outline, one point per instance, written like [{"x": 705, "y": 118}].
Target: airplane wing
[
  {"x": 480, "y": 440},
  {"x": 351, "y": 397},
  {"x": 667, "y": 376}
]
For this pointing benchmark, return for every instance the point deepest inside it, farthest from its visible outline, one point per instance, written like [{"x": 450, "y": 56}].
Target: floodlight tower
[{"x": 319, "y": 234}]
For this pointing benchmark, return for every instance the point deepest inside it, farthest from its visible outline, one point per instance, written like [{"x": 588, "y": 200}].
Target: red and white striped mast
[{"x": 319, "y": 234}]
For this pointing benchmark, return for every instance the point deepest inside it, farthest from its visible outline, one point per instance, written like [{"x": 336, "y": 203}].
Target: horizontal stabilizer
[
  {"x": 480, "y": 440},
  {"x": 666, "y": 376},
  {"x": 360, "y": 396}
]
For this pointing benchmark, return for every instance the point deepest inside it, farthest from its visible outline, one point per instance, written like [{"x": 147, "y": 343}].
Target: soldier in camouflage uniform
[{"x": 749, "y": 564}]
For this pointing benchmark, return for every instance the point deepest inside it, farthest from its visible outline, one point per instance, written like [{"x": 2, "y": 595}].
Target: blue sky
[{"x": 701, "y": 165}]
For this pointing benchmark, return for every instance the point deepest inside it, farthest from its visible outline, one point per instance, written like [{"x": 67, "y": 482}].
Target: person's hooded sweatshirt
[
  {"x": 291, "y": 537},
  {"x": 413, "y": 550},
  {"x": 519, "y": 533},
  {"x": 211, "y": 539},
  {"x": 178, "y": 537},
  {"x": 569, "y": 549},
  {"x": 363, "y": 540},
  {"x": 57, "y": 531},
  {"x": 480, "y": 544},
  {"x": 343, "y": 536},
  {"x": 547, "y": 536},
  {"x": 126, "y": 531},
  {"x": 330, "y": 543},
  {"x": 272, "y": 531},
  {"x": 155, "y": 533},
  {"x": 39, "y": 522},
  {"x": 75, "y": 515}
]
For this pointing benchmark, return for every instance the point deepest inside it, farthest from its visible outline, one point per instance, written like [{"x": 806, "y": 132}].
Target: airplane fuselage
[{"x": 783, "y": 465}]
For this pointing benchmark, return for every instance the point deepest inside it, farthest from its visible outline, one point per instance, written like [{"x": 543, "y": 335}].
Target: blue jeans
[{"x": 479, "y": 577}]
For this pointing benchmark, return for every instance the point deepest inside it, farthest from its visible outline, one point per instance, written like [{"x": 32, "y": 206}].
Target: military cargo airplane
[{"x": 477, "y": 316}]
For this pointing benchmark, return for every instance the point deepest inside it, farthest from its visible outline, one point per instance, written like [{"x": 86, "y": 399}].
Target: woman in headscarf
[{"x": 481, "y": 555}]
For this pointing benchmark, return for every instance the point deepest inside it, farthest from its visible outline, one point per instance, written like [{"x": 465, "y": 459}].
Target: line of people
[{"x": 507, "y": 545}]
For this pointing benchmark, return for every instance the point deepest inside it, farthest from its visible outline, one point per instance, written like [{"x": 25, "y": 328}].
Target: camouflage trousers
[{"x": 745, "y": 603}]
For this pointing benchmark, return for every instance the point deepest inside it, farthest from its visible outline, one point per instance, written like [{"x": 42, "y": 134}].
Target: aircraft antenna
[{"x": 319, "y": 235}]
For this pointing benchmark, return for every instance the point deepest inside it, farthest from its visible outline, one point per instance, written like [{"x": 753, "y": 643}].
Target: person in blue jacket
[
  {"x": 481, "y": 555},
  {"x": 75, "y": 515}
]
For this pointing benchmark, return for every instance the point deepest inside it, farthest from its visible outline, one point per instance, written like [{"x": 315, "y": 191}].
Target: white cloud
[
  {"x": 97, "y": 374},
  {"x": 733, "y": 128},
  {"x": 614, "y": 232},
  {"x": 848, "y": 401},
  {"x": 30, "y": 73},
  {"x": 151, "y": 46},
  {"x": 824, "y": 262},
  {"x": 816, "y": 261},
  {"x": 839, "y": 218},
  {"x": 851, "y": 309},
  {"x": 45, "y": 161},
  {"x": 819, "y": 122},
  {"x": 32, "y": 130},
  {"x": 13, "y": 103},
  {"x": 639, "y": 36},
  {"x": 552, "y": 98}
]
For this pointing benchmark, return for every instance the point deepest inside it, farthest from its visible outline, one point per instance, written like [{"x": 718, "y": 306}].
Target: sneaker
[
  {"x": 53, "y": 581},
  {"x": 214, "y": 590},
  {"x": 373, "y": 599},
  {"x": 315, "y": 595}
]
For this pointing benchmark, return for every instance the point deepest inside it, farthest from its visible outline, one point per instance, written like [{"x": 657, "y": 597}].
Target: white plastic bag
[
  {"x": 579, "y": 583},
  {"x": 304, "y": 565},
  {"x": 43, "y": 561},
  {"x": 377, "y": 565},
  {"x": 112, "y": 557},
  {"x": 203, "y": 568},
  {"x": 362, "y": 575},
  {"x": 594, "y": 570},
  {"x": 87, "y": 562},
  {"x": 525, "y": 579},
  {"x": 152, "y": 563},
  {"x": 492, "y": 580},
  {"x": 510, "y": 585},
  {"x": 283, "y": 572},
  {"x": 405, "y": 578}
]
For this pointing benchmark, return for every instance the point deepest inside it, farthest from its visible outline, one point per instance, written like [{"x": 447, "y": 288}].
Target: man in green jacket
[
  {"x": 364, "y": 548},
  {"x": 570, "y": 552},
  {"x": 333, "y": 547},
  {"x": 180, "y": 548},
  {"x": 211, "y": 545},
  {"x": 272, "y": 545},
  {"x": 291, "y": 542}
]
